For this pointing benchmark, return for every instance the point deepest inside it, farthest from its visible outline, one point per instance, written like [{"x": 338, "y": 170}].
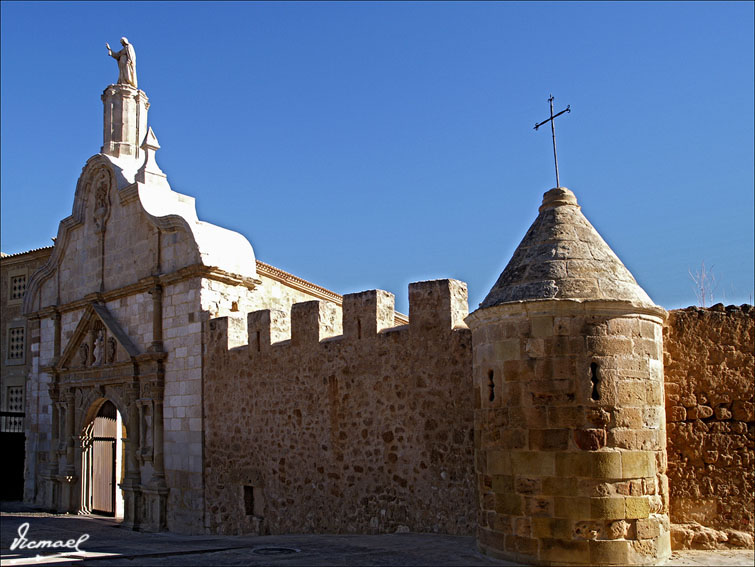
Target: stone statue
[
  {"x": 126, "y": 58},
  {"x": 99, "y": 348}
]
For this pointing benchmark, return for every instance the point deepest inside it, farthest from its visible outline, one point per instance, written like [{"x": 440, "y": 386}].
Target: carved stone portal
[{"x": 101, "y": 364}]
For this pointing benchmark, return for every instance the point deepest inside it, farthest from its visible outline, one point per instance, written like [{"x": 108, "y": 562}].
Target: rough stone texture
[
  {"x": 708, "y": 355},
  {"x": 341, "y": 416},
  {"x": 562, "y": 256},
  {"x": 365, "y": 431},
  {"x": 570, "y": 461},
  {"x": 570, "y": 448},
  {"x": 697, "y": 536}
]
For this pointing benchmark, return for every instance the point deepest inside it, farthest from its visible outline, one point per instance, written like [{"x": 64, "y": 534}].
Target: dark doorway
[{"x": 13, "y": 442}]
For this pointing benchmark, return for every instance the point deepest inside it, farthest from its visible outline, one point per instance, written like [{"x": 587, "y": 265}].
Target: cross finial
[{"x": 553, "y": 132}]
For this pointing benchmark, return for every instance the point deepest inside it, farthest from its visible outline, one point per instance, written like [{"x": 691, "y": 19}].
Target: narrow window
[
  {"x": 259, "y": 342},
  {"x": 359, "y": 328},
  {"x": 249, "y": 500},
  {"x": 491, "y": 385},
  {"x": 594, "y": 379}
]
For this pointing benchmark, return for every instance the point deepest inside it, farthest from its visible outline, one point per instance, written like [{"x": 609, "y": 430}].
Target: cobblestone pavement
[{"x": 108, "y": 544}]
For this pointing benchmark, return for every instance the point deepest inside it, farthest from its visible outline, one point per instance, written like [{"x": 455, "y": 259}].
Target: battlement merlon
[
  {"x": 367, "y": 313},
  {"x": 438, "y": 304},
  {"x": 314, "y": 321},
  {"x": 266, "y": 327}
]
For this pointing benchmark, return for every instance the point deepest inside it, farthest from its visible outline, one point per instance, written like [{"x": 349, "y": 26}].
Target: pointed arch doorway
[{"x": 102, "y": 463}]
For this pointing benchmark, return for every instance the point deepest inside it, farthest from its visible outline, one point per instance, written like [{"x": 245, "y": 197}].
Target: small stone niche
[{"x": 253, "y": 501}]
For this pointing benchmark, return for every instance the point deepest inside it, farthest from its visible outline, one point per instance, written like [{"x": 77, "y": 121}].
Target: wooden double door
[{"x": 99, "y": 445}]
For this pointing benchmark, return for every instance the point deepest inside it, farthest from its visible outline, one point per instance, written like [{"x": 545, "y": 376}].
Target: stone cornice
[
  {"x": 10, "y": 260},
  {"x": 315, "y": 290},
  {"x": 146, "y": 284},
  {"x": 298, "y": 283},
  {"x": 564, "y": 307}
]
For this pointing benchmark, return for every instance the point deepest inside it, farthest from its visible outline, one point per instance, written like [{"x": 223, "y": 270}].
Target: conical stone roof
[{"x": 563, "y": 257}]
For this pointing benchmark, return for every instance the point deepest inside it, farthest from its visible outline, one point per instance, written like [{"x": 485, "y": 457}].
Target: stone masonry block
[
  {"x": 637, "y": 507},
  {"x": 499, "y": 462},
  {"x": 564, "y": 416},
  {"x": 509, "y": 504},
  {"x": 577, "y": 508},
  {"x": 535, "y": 348},
  {"x": 559, "y": 486},
  {"x": 525, "y": 545},
  {"x": 509, "y": 349},
  {"x": 541, "y": 327},
  {"x": 367, "y": 313},
  {"x": 437, "y": 304},
  {"x": 609, "y": 552},
  {"x": 559, "y": 551},
  {"x": 503, "y": 484},
  {"x": 512, "y": 370},
  {"x": 611, "y": 508},
  {"x": 631, "y": 393},
  {"x": 574, "y": 464},
  {"x": 628, "y": 417},
  {"x": 533, "y": 463},
  {"x": 558, "y": 528},
  {"x": 608, "y": 346},
  {"x": 637, "y": 464},
  {"x": 606, "y": 465},
  {"x": 565, "y": 325},
  {"x": 623, "y": 327},
  {"x": 549, "y": 439},
  {"x": 648, "y": 528},
  {"x": 590, "y": 439}
]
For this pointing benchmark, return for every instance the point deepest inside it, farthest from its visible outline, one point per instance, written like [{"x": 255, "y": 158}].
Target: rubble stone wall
[
  {"x": 351, "y": 425},
  {"x": 709, "y": 372}
]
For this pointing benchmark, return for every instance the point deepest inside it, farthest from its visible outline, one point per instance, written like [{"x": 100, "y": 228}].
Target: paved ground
[{"x": 108, "y": 544}]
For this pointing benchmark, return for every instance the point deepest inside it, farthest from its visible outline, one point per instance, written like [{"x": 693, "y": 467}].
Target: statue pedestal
[{"x": 125, "y": 120}]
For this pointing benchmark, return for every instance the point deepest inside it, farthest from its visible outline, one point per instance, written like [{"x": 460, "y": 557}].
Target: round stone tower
[{"x": 570, "y": 440}]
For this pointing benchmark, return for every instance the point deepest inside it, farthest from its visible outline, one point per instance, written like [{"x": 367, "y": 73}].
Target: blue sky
[{"x": 369, "y": 145}]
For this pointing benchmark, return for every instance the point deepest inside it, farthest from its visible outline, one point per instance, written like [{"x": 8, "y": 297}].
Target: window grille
[
  {"x": 16, "y": 343},
  {"x": 17, "y": 287}
]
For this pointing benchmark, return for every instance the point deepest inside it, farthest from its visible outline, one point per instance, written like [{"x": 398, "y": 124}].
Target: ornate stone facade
[{"x": 252, "y": 401}]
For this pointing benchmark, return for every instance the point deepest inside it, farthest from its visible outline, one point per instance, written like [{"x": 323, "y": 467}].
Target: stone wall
[
  {"x": 569, "y": 433},
  {"x": 351, "y": 425},
  {"x": 711, "y": 424}
]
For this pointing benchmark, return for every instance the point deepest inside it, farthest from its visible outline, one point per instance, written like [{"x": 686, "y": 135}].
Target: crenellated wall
[{"x": 350, "y": 425}]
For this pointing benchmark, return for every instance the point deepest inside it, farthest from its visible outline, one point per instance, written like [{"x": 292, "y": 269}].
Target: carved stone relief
[
  {"x": 112, "y": 349},
  {"x": 84, "y": 354},
  {"x": 101, "y": 184}
]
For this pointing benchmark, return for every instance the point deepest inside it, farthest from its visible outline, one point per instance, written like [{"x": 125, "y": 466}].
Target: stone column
[
  {"x": 132, "y": 479},
  {"x": 52, "y": 470},
  {"x": 56, "y": 337},
  {"x": 125, "y": 120},
  {"x": 68, "y": 497},
  {"x": 156, "y": 493},
  {"x": 157, "y": 319}
]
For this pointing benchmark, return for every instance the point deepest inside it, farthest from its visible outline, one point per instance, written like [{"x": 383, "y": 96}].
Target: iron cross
[{"x": 553, "y": 131}]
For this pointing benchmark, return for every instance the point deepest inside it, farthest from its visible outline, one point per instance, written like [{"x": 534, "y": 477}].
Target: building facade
[
  {"x": 179, "y": 383},
  {"x": 15, "y": 362}
]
